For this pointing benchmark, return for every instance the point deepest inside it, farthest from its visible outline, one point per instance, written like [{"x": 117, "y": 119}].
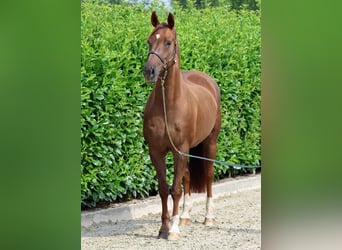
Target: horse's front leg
[
  {"x": 180, "y": 163},
  {"x": 158, "y": 160}
]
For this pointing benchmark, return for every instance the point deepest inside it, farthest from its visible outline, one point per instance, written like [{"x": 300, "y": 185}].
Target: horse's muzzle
[{"x": 151, "y": 73}]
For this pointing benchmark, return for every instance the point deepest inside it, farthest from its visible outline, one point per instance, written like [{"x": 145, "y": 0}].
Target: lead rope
[
  {"x": 237, "y": 166},
  {"x": 165, "y": 118}
]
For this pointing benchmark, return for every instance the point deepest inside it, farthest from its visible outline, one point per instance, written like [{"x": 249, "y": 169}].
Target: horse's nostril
[{"x": 152, "y": 71}]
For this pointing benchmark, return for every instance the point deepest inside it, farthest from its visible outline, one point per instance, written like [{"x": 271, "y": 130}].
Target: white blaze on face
[{"x": 157, "y": 36}]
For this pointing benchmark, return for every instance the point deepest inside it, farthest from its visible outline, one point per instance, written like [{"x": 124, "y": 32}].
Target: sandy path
[{"x": 238, "y": 226}]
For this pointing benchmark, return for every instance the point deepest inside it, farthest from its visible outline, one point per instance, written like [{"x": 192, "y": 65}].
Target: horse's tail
[{"x": 198, "y": 171}]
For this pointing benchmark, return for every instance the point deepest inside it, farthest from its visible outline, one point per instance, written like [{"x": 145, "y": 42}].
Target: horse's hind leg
[
  {"x": 209, "y": 217},
  {"x": 185, "y": 217},
  {"x": 209, "y": 151}
]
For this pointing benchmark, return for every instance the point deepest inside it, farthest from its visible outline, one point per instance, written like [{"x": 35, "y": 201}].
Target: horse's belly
[
  {"x": 201, "y": 134},
  {"x": 205, "y": 123}
]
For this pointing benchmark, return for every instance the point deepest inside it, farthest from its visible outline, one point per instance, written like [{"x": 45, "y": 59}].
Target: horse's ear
[
  {"x": 154, "y": 19},
  {"x": 170, "y": 20}
]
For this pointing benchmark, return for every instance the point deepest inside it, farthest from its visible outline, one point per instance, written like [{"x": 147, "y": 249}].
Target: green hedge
[{"x": 115, "y": 164}]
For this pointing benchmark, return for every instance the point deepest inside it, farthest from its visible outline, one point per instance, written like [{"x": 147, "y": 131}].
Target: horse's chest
[
  {"x": 154, "y": 128},
  {"x": 155, "y": 131}
]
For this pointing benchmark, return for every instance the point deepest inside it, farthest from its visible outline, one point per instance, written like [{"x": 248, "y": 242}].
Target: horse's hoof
[
  {"x": 173, "y": 236},
  {"x": 163, "y": 234},
  {"x": 184, "y": 221},
  {"x": 209, "y": 221}
]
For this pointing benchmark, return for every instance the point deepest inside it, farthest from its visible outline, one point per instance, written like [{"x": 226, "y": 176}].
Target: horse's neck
[
  {"x": 173, "y": 81},
  {"x": 173, "y": 84}
]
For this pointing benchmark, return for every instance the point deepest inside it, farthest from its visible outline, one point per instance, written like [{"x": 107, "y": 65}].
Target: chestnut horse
[{"x": 182, "y": 115}]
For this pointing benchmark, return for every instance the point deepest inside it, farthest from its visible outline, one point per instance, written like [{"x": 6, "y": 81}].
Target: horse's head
[{"x": 162, "y": 44}]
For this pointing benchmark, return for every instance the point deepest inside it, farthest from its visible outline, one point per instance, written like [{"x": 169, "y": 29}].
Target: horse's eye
[{"x": 167, "y": 43}]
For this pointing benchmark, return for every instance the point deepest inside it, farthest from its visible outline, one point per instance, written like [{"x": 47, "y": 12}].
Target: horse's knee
[
  {"x": 176, "y": 193},
  {"x": 164, "y": 192}
]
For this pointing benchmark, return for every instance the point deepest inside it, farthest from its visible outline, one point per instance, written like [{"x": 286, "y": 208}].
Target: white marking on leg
[
  {"x": 186, "y": 207},
  {"x": 175, "y": 222},
  {"x": 157, "y": 36},
  {"x": 210, "y": 208}
]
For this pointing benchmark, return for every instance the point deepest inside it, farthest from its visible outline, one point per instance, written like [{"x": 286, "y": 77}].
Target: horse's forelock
[{"x": 158, "y": 27}]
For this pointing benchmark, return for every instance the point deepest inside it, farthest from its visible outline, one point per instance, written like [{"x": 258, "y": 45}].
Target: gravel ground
[{"x": 238, "y": 226}]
